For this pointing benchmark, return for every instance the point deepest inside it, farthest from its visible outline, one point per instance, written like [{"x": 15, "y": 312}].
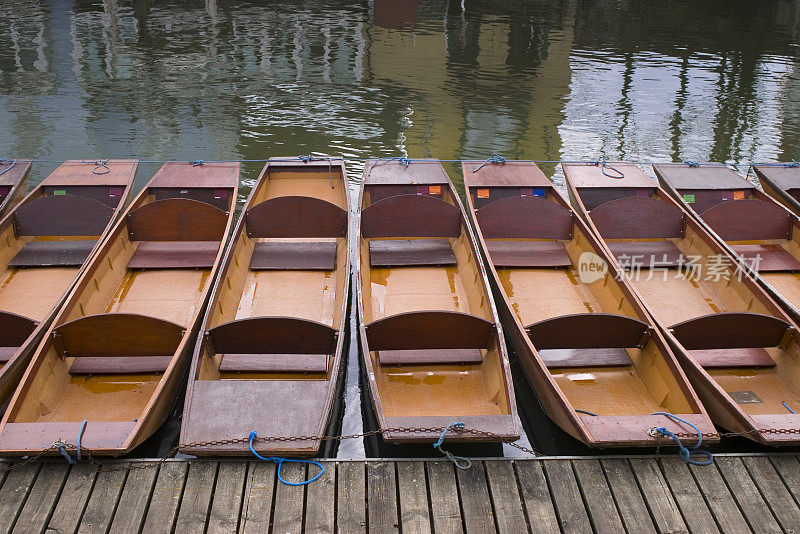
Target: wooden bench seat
[
  {"x": 52, "y": 254},
  {"x": 571, "y": 358},
  {"x": 174, "y": 255},
  {"x": 274, "y": 363},
  {"x": 722, "y": 358},
  {"x": 6, "y": 353},
  {"x": 766, "y": 258},
  {"x": 287, "y": 255},
  {"x": 410, "y": 252},
  {"x": 646, "y": 254},
  {"x": 528, "y": 253},
  {"x": 429, "y": 356},
  {"x": 116, "y": 365}
]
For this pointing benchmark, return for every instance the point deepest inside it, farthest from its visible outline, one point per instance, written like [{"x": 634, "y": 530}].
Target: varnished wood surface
[{"x": 735, "y": 494}]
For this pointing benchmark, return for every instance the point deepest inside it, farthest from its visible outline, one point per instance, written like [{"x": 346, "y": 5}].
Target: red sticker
[
  {"x": 483, "y": 193},
  {"x": 738, "y": 195}
]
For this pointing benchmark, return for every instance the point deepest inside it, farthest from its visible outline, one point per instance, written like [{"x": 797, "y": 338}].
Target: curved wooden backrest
[
  {"x": 411, "y": 216},
  {"x": 531, "y": 217},
  {"x": 296, "y": 216},
  {"x": 430, "y": 330},
  {"x": 272, "y": 335},
  {"x": 15, "y": 329},
  {"x": 177, "y": 219},
  {"x": 637, "y": 218},
  {"x": 730, "y": 330},
  {"x": 62, "y": 215},
  {"x": 588, "y": 331},
  {"x": 741, "y": 220},
  {"x": 118, "y": 334}
]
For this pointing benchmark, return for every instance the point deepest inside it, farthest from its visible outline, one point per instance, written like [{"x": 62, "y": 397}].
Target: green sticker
[
  {"x": 59, "y": 192},
  {"x": 689, "y": 199}
]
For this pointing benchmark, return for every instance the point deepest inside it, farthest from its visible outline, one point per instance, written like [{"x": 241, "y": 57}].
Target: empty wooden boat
[
  {"x": 590, "y": 351},
  {"x": 432, "y": 343},
  {"x": 269, "y": 359},
  {"x": 116, "y": 353},
  {"x": 738, "y": 348},
  {"x": 13, "y": 181},
  {"x": 781, "y": 181},
  {"x": 751, "y": 225},
  {"x": 46, "y": 241}
]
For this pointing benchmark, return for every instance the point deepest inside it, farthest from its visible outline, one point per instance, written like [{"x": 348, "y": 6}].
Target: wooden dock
[{"x": 757, "y": 493}]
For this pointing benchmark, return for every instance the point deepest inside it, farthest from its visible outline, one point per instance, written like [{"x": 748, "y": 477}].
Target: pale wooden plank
[
  {"x": 777, "y": 497},
  {"x": 789, "y": 470},
  {"x": 382, "y": 497},
  {"x": 321, "y": 500},
  {"x": 73, "y": 499},
  {"x": 103, "y": 500},
  {"x": 196, "y": 499},
  {"x": 630, "y": 503},
  {"x": 476, "y": 504},
  {"x": 226, "y": 502},
  {"x": 166, "y": 498},
  {"x": 688, "y": 496},
  {"x": 351, "y": 508},
  {"x": 746, "y": 494},
  {"x": 15, "y": 490},
  {"x": 663, "y": 507},
  {"x": 505, "y": 495},
  {"x": 135, "y": 498},
  {"x": 571, "y": 510},
  {"x": 43, "y": 498},
  {"x": 257, "y": 501},
  {"x": 445, "y": 507},
  {"x": 599, "y": 501},
  {"x": 413, "y": 491},
  {"x": 536, "y": 496},
  {"x": 719, "y": 499},
  {"x": 287, "y": 516}
]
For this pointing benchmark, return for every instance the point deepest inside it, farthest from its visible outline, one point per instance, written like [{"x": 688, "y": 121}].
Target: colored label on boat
[
  {"x": 689, "y": 199},
  {"x": 435, "y": 190},
  {"x": 483, "y": 193},
  {"x": 738, "y": 195},
  {"x": 59, "y": 192},
  {"x": 539, "y": 192}
]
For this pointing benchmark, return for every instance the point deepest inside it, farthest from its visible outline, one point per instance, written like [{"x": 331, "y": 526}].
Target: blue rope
[
  {"x": 603, "y": 168},
  {"x": 460, "y": 462},
  {"x": 80, "y": 435},
  {"x": 405, "y": 161},
  {"x": 684, "y": 452},
  {"x": 279, "y": 462},
  {"x": 494, "y": 158},
  {"x": 100, "y": 164},
  {"x": 197, "y": 162},
  {"x": 692, "y": 163},
  {"x": 586, "y": 412},
  {"x": 787, "y": 407},
  {"x": 4, "y": 160}
]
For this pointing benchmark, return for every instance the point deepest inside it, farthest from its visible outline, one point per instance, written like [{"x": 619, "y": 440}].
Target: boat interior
[
  {"x": 430, "y": 333},
  {"x": 781, "y": 181},
  {"x": 13, "y": 182},
  {"x": 272, "y": 329},
  {"x": 120, "y": 334},
  {"x": 729, "y": 326}
]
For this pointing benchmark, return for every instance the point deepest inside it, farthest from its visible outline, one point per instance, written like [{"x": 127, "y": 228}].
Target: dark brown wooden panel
[
  {"x": 411, "y": 216},
  {"x": 110, "y": 195},
  {"x": 281, "y": 255},
  {"x": 221, "y": 198},
  {"x": 393, "y": 172},
  {"x": 52, "y": 254},
  {"x": 746, "y": 357},
  {"x": 215, "y": 174},
  {"x": 525, "y": 217},
  {"x": 118, "y": 172},
  {"x": 730, "y": 330},
  {"x": 62, "y": 215},
  {"x": 274, "y": 363},
  {"x": 430, "y": 330},
  {"x": 766, "y": 258},
  {"x": 119, "y": 365},
  {"x": 608, "y": 357},
  {"x": 637, "y": 218},
  {"x": 745, "y": 220},
  {"x": 587, "y": 331},
  {"x": 508, "y": 174},
  {"x": 273, "y": 335},
  {"x": 177, "y": 219},
  {"x": 647, "y": 254},
  {"x": 429, "y": 356},
  {"x": 295, "y": 216},
  {"x": 715, "y": 176},
  {"x": 593, "y": 197},
  {"x": 410, "y": 252},
  {"x": 528, "y": 253},
  {"x": 701, "y": 200},
  {"x": 174, "y": 255},
  {"x": 15, "y": 329},
  {"x": 119, "y": 334}
]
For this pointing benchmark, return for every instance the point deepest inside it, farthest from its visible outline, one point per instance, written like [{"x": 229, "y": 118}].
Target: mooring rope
[
  {"x": 99, "y": 164},
  {"x": 603, "y": 167},
  {"x": 4, "y": 160},
  {"x": 461, "y": 462},
  {"x": 280, "y": 461},
  {"x": 684, "y": 452},
  {"x": 494, "y": 158}
]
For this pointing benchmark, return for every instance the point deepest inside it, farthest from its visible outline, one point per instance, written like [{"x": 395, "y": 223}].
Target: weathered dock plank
[
  {"x": 287, "y": 516},
  {"x": 382, "y": 497},
  {"x": 445, "y": 506},
  {"x": 413, "y": 492},
  {"x": 536, "y": 497},
  {"x": 103, "y": 500},
  {"x": 506, "y": 499},
  {"x": 135, "y": 497},
  {"x": 775, "y": 493},
  {"x": 572, "y": 515},
  {"x": 226, "y": 501},
  {"x": 351, "y": 509},
  {"x": 166, "y": 497},
  {"x": 628, "y": 496},
  {"x": 321, "y": 500},
  {"x": 688, "y": 496},
  {"x": 475, "y": 501},
  {"x": 257, "y": 501},
  {"x": 658, "y": 496},
  {"x": 746, "y": 494},
  {"x": 14, "y": 492},
  {"x": 196, "y": 499},
  {"x": 68, "y": 512},
  {"x": 597, "y": 495},
  {"x": 719, "y": 499},
  {"x": 42, "y": 499}
]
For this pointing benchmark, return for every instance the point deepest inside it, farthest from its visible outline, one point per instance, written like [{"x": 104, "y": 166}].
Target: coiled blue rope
[
  {"x": 692, "y": 163},
  {"x": 197, "y": 162},
  {"x": 279, "y": 462},
  {"x": 620, "y": 175},
  {"x": 494, "y": 158},
  {"x": 4, "y": 160},
  {"x": 62, "y": 447},
  {"x": 403, "y": 160},
  {"x": 684, "y": 452},
  {"x": 460, "y": 462},
  {"x": 100, "y": 164}
]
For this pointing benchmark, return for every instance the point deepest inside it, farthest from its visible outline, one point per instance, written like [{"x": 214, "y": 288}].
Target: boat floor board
[
  {"x": 406, "y": 289},
  {"x": 410, "y": 252},
  {"x": 301, "y": 294},
  {"x": 608, "y": 357},
  {"x": 174, "y": 255},
  {"x": 754, "y": 385},
  {"x": 429, "y": 356},
  {"x": 607, "y": 390},
  {"x": 274, "y": 363},
  {"x": 69, "y": 253},
  {"x": 119, "y": 365},
  {"x": 171, "y": 295},
  {"x": 33, "y": 292},
  {"x": 673, "y": 299},
  {"x": 528, "y": 253},
  {"x": 306, "y": 255}
]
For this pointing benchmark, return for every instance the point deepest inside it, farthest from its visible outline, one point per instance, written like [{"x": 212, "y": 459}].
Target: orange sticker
[
  {"x": 435, "y": 190},
  {"x": 483, "y": 193},
  {"x": 738, "y": 195}
]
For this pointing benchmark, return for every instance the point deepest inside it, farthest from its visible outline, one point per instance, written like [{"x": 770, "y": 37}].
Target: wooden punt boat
[
  {"x": 46, "y": 241},
  {"x": 433, "y": 346},
  {"x": 751, "y": 225},
  {"x": 736, "y": 345},
  {"x": 781, "y": 181},
  {"x": 13, "y": 181},
  {"x": 274, "y": 328},
  {"x": 114, "y": 355},
  {"x": 598, "y": 365}
]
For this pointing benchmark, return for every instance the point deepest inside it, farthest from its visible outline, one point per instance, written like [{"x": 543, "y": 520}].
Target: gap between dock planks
[{"x": 735, "y": 494}]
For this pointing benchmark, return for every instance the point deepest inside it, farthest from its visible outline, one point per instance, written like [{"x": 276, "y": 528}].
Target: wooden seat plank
[
  {"x": 174, "y": 255},
  {"x": 274, "y": 363},
  {"x": 119, "y": 365},
  {"x": 570, "y": 358},
  {"x": 410, "y": 252},
  {"x": 287, "y": 255},
  {"x": 647, "y": 254},
  {"x": 722, "y": 358},
  {"x": 52, "y": 254},
  {"x": 528, "y": 253},
  {"x": 6, "y": 353},
  {"x": 429, "y": 356},
  {"x": 767, "y": 258}
]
